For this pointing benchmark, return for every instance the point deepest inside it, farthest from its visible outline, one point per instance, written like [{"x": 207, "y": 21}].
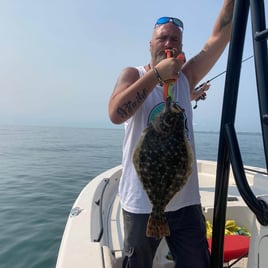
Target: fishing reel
[{"x": 202, "y": 96}]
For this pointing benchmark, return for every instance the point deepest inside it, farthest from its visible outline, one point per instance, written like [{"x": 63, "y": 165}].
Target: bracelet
[{"x": 160, "y": 80}]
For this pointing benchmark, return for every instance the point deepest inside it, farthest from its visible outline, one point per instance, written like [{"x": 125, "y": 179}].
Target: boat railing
[
  {"x": 256, "y": 171},
  {"x": 99, "y": 203},
  {"x": 257, "y": 205},
  {"x": 103, "y": 198},
  {"x": 228, "y": 148}
]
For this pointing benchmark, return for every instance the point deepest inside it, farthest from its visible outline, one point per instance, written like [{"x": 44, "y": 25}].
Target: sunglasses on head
[{"x": 165, "y": 20}]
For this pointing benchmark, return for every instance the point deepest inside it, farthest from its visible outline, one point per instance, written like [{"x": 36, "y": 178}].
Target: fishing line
[{"x": 203, "y": 96}]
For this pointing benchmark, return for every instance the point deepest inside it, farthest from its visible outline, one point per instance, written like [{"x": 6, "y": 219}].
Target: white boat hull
[{"x": 94, "y": 231}]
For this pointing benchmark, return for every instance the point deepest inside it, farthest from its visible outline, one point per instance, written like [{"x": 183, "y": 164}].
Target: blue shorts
[{"x": 187, "y": 241}]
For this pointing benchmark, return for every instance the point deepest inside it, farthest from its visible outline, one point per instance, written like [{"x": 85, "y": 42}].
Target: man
[{"x": 136, "y": 99}]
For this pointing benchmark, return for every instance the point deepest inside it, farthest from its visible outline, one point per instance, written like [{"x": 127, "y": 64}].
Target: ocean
[{"x": 42, "y": 171}]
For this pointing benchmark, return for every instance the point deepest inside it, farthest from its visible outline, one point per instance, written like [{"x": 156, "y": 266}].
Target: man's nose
[{"x": 168, "y": 43}]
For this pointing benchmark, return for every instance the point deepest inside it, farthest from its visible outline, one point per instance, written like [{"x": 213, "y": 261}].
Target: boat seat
[{"x": 235, "y": 247}]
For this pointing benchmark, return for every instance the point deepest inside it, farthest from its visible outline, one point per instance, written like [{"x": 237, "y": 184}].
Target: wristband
[{"x": 160, "y": 80}]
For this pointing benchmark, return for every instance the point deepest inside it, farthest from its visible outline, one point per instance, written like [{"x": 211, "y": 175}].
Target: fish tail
[{"x": 157, "y": 226}]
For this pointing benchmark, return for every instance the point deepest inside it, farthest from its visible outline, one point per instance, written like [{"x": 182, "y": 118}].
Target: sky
[{"x": 60, "y": 59}]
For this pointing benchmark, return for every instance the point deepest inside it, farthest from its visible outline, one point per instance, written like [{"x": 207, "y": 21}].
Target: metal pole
[
  {"x": 260, "y": 35},
  {"x": 228, "y": 116}
]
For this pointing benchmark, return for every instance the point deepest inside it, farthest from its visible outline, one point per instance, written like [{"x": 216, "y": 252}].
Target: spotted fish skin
[{"x": 163, "y": 162}]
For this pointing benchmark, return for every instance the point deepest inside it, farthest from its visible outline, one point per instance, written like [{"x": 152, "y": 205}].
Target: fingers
[
  {"x": 170, "y": 67},
  {"x": 205, "y": 86},
  {"x": 201, "y": 92}
]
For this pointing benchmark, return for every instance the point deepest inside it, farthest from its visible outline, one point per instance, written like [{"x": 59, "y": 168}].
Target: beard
[{"x": 160, "y": 57}]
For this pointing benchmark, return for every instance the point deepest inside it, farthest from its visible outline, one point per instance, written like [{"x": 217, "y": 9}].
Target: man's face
[{"x": 166, "y": 36}]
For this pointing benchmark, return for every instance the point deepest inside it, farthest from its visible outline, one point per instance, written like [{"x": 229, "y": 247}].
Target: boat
[
  {"x": 230, "y": 191},
  {"x": 93, "y": 235}
]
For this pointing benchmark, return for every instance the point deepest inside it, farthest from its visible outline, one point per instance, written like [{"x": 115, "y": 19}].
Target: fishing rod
[{"x": 203, "y": 95}]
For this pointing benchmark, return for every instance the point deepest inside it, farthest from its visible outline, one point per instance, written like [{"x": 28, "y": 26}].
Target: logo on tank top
[{"x": 158, "y": 109}]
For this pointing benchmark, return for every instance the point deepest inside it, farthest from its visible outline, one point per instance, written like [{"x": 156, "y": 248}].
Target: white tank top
[{"x": 132, "y": 195}]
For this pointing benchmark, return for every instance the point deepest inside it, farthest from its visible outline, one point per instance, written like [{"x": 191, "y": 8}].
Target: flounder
[{"x": 163, "y": 162}]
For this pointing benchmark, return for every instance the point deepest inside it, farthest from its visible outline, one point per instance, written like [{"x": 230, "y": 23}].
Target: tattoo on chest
[{"x": 130, "y": 106}]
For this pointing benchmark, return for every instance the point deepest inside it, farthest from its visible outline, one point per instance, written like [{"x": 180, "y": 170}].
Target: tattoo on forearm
[
  {"x": 195, "y": 58},
  {"x": 225, "y": 20},
  {"x": 129, "y": 107},
  {"x": 226, "y": 17}
]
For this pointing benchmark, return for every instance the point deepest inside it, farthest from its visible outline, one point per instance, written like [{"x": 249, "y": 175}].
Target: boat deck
[
  {"x": 94, "y": 233},
  {"x": 115, "y": 227}
]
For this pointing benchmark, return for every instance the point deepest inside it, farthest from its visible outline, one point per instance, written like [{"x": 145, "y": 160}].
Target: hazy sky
[{"x": 59, "y": 59}]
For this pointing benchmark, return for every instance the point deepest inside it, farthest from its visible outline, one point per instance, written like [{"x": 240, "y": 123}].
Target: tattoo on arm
[
  {"x": 225, "y": 20},
  {"x": 196, "y": 57},
  {"x": 227, "y": 15},
  {"x": 129, "y": 107}
]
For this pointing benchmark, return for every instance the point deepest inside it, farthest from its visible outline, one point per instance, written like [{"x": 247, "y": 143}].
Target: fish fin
[{"x": 157, "y": 227}]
